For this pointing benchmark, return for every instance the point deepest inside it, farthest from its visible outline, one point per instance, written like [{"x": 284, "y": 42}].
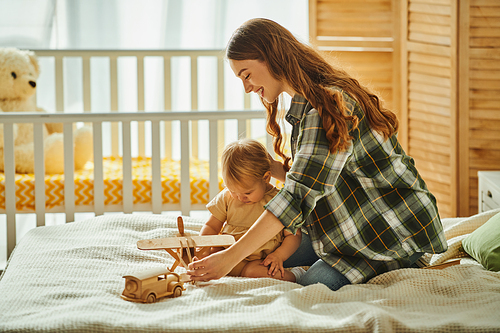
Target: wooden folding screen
[
  {"x": 429, "y": 85},
  {"x": 479, "y": 96},
  {"x": 437, "y": 64},
  {"x": 451, "y": 91}
]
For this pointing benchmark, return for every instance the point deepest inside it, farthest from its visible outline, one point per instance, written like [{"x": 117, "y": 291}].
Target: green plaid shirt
[{"x": 366, "y": 209}]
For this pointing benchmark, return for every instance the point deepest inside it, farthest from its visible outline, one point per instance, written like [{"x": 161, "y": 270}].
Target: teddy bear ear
[{"x": 34, "y": 61}]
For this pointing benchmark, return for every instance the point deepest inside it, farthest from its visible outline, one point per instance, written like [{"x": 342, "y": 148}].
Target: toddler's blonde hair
[{"x": 244, "y": 161}]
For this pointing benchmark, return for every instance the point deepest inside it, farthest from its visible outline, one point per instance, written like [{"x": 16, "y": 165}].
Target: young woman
[
  {"x": 246, "y": 171},
  {"x": 351, "y": 187}
]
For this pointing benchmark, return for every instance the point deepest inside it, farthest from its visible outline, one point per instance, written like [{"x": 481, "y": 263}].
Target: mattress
[
  {"x": 69, "y": 278},
  {"x": 113, "y": 174}
]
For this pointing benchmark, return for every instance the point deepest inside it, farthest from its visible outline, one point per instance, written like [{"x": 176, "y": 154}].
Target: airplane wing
[{"x": 175, "y": 242}]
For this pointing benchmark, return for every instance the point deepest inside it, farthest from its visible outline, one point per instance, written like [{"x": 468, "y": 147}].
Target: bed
[{"x": 70, "y": 277}]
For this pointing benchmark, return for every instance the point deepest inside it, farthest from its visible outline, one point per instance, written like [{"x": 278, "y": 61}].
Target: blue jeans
[{"x": 319, "y": 272}]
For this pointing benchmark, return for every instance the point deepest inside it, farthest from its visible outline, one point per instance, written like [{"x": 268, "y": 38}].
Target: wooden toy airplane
[{"x": 185, "y": 242}]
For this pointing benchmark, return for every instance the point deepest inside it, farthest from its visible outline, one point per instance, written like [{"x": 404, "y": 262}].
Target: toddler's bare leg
[{"x": 255, "y": 270}]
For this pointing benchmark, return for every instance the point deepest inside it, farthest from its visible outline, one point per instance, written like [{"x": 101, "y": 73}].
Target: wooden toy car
[{"x": 151, "y": 285}]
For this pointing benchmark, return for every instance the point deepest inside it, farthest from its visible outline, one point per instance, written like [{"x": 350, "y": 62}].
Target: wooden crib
[{"x": 140, "y": 172}]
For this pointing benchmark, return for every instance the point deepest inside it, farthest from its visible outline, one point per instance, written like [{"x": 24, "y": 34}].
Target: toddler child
[{"x": 246, "y": 171}]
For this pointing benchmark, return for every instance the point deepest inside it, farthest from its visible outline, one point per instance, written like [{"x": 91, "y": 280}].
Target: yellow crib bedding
[{"x": 113, "y": 171}]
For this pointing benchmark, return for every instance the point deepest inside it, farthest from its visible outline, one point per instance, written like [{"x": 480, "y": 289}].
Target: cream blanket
[{"x": 69, "y": 278}]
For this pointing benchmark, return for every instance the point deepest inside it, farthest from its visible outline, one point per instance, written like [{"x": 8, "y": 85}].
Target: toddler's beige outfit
[{"x": 239, "y": 217}]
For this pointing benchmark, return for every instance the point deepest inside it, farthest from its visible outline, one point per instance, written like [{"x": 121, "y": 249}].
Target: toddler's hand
[
  {"x": 275, "y": 264},
  {"x": 277, "y": 170}
]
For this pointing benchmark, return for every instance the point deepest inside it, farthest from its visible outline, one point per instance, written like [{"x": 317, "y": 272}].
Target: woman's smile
[{"x": 260, "y": 92}]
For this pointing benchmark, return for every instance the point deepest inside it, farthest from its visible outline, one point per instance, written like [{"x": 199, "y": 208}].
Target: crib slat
[
  {"x": 156, "y": 185},
  {"x": 213, "y": 178},
  {"x": 10, "y": 186},
  {"x": 113, "y": 85},
  {"x": 194, "y": 83},
  {"x": 167, "y": 78},
  {"x": 39, "y": 175},
  {"x": 98, "y": 169},
  {"x": 220, "y": 83},
  {"x": 167, "y": 81},
  {"x": 221, "y": 104},
  {"x": 140, "y": 106},
  {"x": 59, "y": 84},
  {"x": 194, "y": 105},
  {"x": 140, "y": 83},
  {"x": 185, "y": 181},
  {"x": 269, "y": 143},
  {"x": 247, "y": 105},
  {"x": 127, "y": 190},
  {"x": 86, "y": 84},
  {"x": 242, "y": 128},
  {"x": 69, "y": 175}
]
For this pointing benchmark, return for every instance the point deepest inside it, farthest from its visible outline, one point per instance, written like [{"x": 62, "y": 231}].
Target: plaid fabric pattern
[{"x": 366, "y": 209}]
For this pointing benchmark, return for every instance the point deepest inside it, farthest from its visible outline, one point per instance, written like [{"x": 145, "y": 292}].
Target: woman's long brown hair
[{"x": 307, "y": 73}]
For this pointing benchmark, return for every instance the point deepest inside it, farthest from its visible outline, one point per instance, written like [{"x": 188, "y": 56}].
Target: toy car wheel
[
  {"x": 177, "y": 291},
  {"x": 151, "y": 298}
]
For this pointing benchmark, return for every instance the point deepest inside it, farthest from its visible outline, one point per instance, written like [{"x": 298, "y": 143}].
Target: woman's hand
[
  {"x": 212, "y": 267},
  {"x": 221, "y": 263},
  {"x": 275, "y": 264}
]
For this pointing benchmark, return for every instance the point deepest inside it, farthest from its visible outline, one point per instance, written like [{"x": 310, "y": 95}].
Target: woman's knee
[{"x": 321, "y": 272}]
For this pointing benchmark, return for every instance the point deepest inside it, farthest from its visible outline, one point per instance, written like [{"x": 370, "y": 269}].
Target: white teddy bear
[{"x": 19, "y": 71}]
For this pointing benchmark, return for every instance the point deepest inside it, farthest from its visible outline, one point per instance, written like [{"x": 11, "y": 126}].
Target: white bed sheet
[{"x": 69, "y": 278}]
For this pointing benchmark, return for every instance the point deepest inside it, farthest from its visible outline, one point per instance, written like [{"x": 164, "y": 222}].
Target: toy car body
[{"x": 150, "y": 285}]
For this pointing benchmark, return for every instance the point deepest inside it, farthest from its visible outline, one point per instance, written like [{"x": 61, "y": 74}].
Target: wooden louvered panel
[
  {"x": 438, "y": 139},
  {"x": 484, "y": 91},
  {"x": 358, "y": 18},
  {"x": 449, "y": 90},
  {"x": 430, "y": 7},
  {"x": 428, "y": 154},
  {"x": 430, "y": 99},
  {"x": 442, "y": 20},
  {"x": 484, "y": 22},
  {"x": 429, "y": 69},
  {"x": 417, "y": 58},
  {"x": 430, "y": 91},
  {"x": 430, "y": 25},
  {"x": 430, "y": 149},
  {"x": 429, "y": 127},
  {"x": 433, "y": 109},
  {"x": 432, "y": 80},
  {"x": 435, "y": 39},
  {"x": 417, "y": 143},
  {"x": 481, "y": 84},
  {"x": 359, "y": 36}
]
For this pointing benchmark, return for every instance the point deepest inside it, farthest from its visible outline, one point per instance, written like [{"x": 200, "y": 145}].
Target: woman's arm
[{"x": 220, "y": 264}]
